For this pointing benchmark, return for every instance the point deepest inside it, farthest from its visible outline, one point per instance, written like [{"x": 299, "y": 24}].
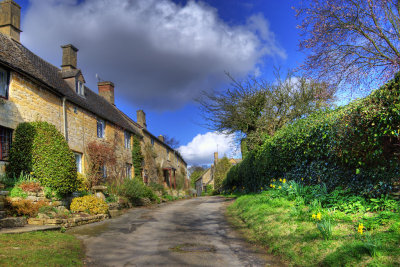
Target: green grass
[
  {"x": 40, "y": 249},
  {"x": 288, "y": 230}
]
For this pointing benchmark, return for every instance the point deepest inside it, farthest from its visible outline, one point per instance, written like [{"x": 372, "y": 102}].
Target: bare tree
[
  {"x": 256, "y": 107},
  {"x": 171, "y": 141},
  {"x": 352, "y": 41}
]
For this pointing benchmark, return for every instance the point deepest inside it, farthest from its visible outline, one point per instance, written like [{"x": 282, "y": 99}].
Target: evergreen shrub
[
  {"x": 137, "y": 157},
  {"x": 41, "y": 150},
  {"x": 353, "y": 146}
]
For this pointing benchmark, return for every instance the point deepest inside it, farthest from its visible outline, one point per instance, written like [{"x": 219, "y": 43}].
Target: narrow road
[{"x": 191, "y": 232}]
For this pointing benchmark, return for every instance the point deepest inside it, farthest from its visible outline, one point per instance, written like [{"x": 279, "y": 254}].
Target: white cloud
[
  {"x": 200, "y": 151},
  {"x": 159, "y": 54}
]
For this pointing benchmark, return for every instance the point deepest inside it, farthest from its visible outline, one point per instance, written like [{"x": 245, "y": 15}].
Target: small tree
[
  {"x": 221, "y": 169},
  {"x": 195, "y": 173},
  {"x": 41, "y": 150},
  {"x": 137, "y": 157},
  {"x": 99, "y": 155}
]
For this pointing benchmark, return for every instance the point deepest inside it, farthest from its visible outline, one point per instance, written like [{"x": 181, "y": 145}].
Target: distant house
[
  {"x": 207, "y": 178},
  {"x": 32, "y": 89}
]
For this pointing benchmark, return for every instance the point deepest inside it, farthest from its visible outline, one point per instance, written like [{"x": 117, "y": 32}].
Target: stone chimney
[
  {"x": 161, "y": 138},
  {"x": 10, "y": 19},
  {"x": 69, "y": 57},
  {"x": 141, "y": 118},
  {"x": 215, "y": 158},
  {"x": 106, "y": 90}
]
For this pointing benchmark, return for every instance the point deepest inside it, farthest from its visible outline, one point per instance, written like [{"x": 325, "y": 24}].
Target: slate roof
[{"x": 18, "y": 58}]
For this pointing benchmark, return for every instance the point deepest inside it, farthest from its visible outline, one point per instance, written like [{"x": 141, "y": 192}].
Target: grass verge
[
  {"x": 40, "y": 249},
  {"x": 287, "y": 229}
]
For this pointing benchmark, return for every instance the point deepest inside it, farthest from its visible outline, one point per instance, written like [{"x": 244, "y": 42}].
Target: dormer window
[
  {"x": 80, "y": 88},
  {"x": 4, "y": 81}
]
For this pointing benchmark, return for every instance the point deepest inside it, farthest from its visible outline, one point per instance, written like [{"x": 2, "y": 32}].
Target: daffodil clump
[
  {"x": 360, "y": 229},
  {"x": 317, "y": 216}
]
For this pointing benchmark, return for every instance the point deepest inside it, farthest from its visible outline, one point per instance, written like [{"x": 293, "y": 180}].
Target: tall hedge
[
  {"x": 40, "y": 149},
  {"x": 354, "y": 146}
]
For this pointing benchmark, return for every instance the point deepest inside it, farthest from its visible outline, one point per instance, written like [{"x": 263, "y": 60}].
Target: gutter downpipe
[{"x": 64, "y": 99}]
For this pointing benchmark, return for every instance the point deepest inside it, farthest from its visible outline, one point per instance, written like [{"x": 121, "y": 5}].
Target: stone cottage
[{"x": 32, "y": 89}]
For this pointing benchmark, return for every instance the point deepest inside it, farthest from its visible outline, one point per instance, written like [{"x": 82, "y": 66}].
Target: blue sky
[{"x": 151, "y": 63}]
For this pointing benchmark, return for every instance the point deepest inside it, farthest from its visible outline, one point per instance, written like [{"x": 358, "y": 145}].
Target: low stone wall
[
  {"x": 39, "y": 196},
  {"x": 13, "y": 222},
  {"x": 70, "y": 222},
  {"x": 3, "y": 195}
]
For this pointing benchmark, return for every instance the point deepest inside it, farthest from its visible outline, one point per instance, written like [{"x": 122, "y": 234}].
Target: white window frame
[
  {"x": 78, "y": 160},
  {"x": 103, "y": 128},
  {"x": 127, "y": 138},
  {"x": 80, "y": 88}
]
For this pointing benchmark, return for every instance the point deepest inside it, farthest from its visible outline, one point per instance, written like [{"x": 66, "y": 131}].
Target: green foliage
[
  {"x": 90, "y": 204},
  {"x": 353, "y": 147},
  {"x": 134, "y": 190},
  {"x": 221, "y": 169},
  {"x": 41, "y": 150},
  {"x": 137, "y": 157},
  {"x": 16, "y": 191},
  {"x": 195, "y": 173},
  {"x": 325, "y": 228}
]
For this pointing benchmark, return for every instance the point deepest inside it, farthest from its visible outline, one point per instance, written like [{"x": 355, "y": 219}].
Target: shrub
[
  {"x": 134, "y": 190},
  {"x": 90, "y": 204},
  {"x": 30, "y": 187},
  {"x": 99, "y": 154},
  {"x": 24, "y": 207},
  {"x": 17, "y": 191},
  {"x": 40, "y": 149},
  {"x": 82, "y": 183},
  {"x": 354, "y": 147}
]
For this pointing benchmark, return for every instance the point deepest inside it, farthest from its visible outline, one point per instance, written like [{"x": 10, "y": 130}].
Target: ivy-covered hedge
[
  {"x": 354, "y": 146},
  {"x": 40, "y": 149}
]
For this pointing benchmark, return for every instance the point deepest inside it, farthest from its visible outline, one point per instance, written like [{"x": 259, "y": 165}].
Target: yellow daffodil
[
  {"x": 319, "y": 216},
  {"x": 290, "y": 186},
  {"x": 284, "y": 181},
  {"x": 273, "y": 186},
  {"x": 280, "y": 187},
  {"x": 302, "y": 179},
  {"x": 314, "y": 216},
  {"x": 273, "y": 180},
  {"x": 280, "y": 179},
  {"x": 360, "y": 228},
  {"x": 270, "y": 185}
]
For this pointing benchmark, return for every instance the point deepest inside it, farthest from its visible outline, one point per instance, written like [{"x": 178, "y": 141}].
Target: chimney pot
[
  {"x": 106, "y": 90},
  {"x": 69, "y": 57},
  {"x": 161, "y": 138},
  {"x": 10, "y": 19},
  {"x": 141, "y": 118}
]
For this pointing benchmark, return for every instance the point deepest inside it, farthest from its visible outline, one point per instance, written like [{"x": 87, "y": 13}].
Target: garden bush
[
  {"x": 24, "y": 207},
  {"x": 134, "y": 190},
  {"x": 90, "y": 204},
  {"x": 41, "y": 150},
  {"x": 353, "y": 146}
]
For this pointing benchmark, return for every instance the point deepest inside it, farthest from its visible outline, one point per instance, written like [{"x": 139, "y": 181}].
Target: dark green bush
[
  {"x": 40, "y": 149},
  {"x": 354, "y": 146},
  {"x": 134, "y": 190}
]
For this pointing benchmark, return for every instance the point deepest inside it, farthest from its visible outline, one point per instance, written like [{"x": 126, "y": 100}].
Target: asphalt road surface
[{"x": 190, "y": 232}]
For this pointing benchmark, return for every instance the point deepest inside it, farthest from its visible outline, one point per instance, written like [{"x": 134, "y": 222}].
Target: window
[
  {"x": 128, "y": 171},
  {"x": 4, "y": 81},
  {"x": 78, "y": 160},
  {"x": 167, "y": 154},
  {"x": 5, "y": 142},
  {"x": 80, "y": 88},
  {"x": 103, "y": 170},
  {"x": 152, "y": 141},
  {"x": 101, "y": 124},
  {"x": 127, "y": 139}
]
